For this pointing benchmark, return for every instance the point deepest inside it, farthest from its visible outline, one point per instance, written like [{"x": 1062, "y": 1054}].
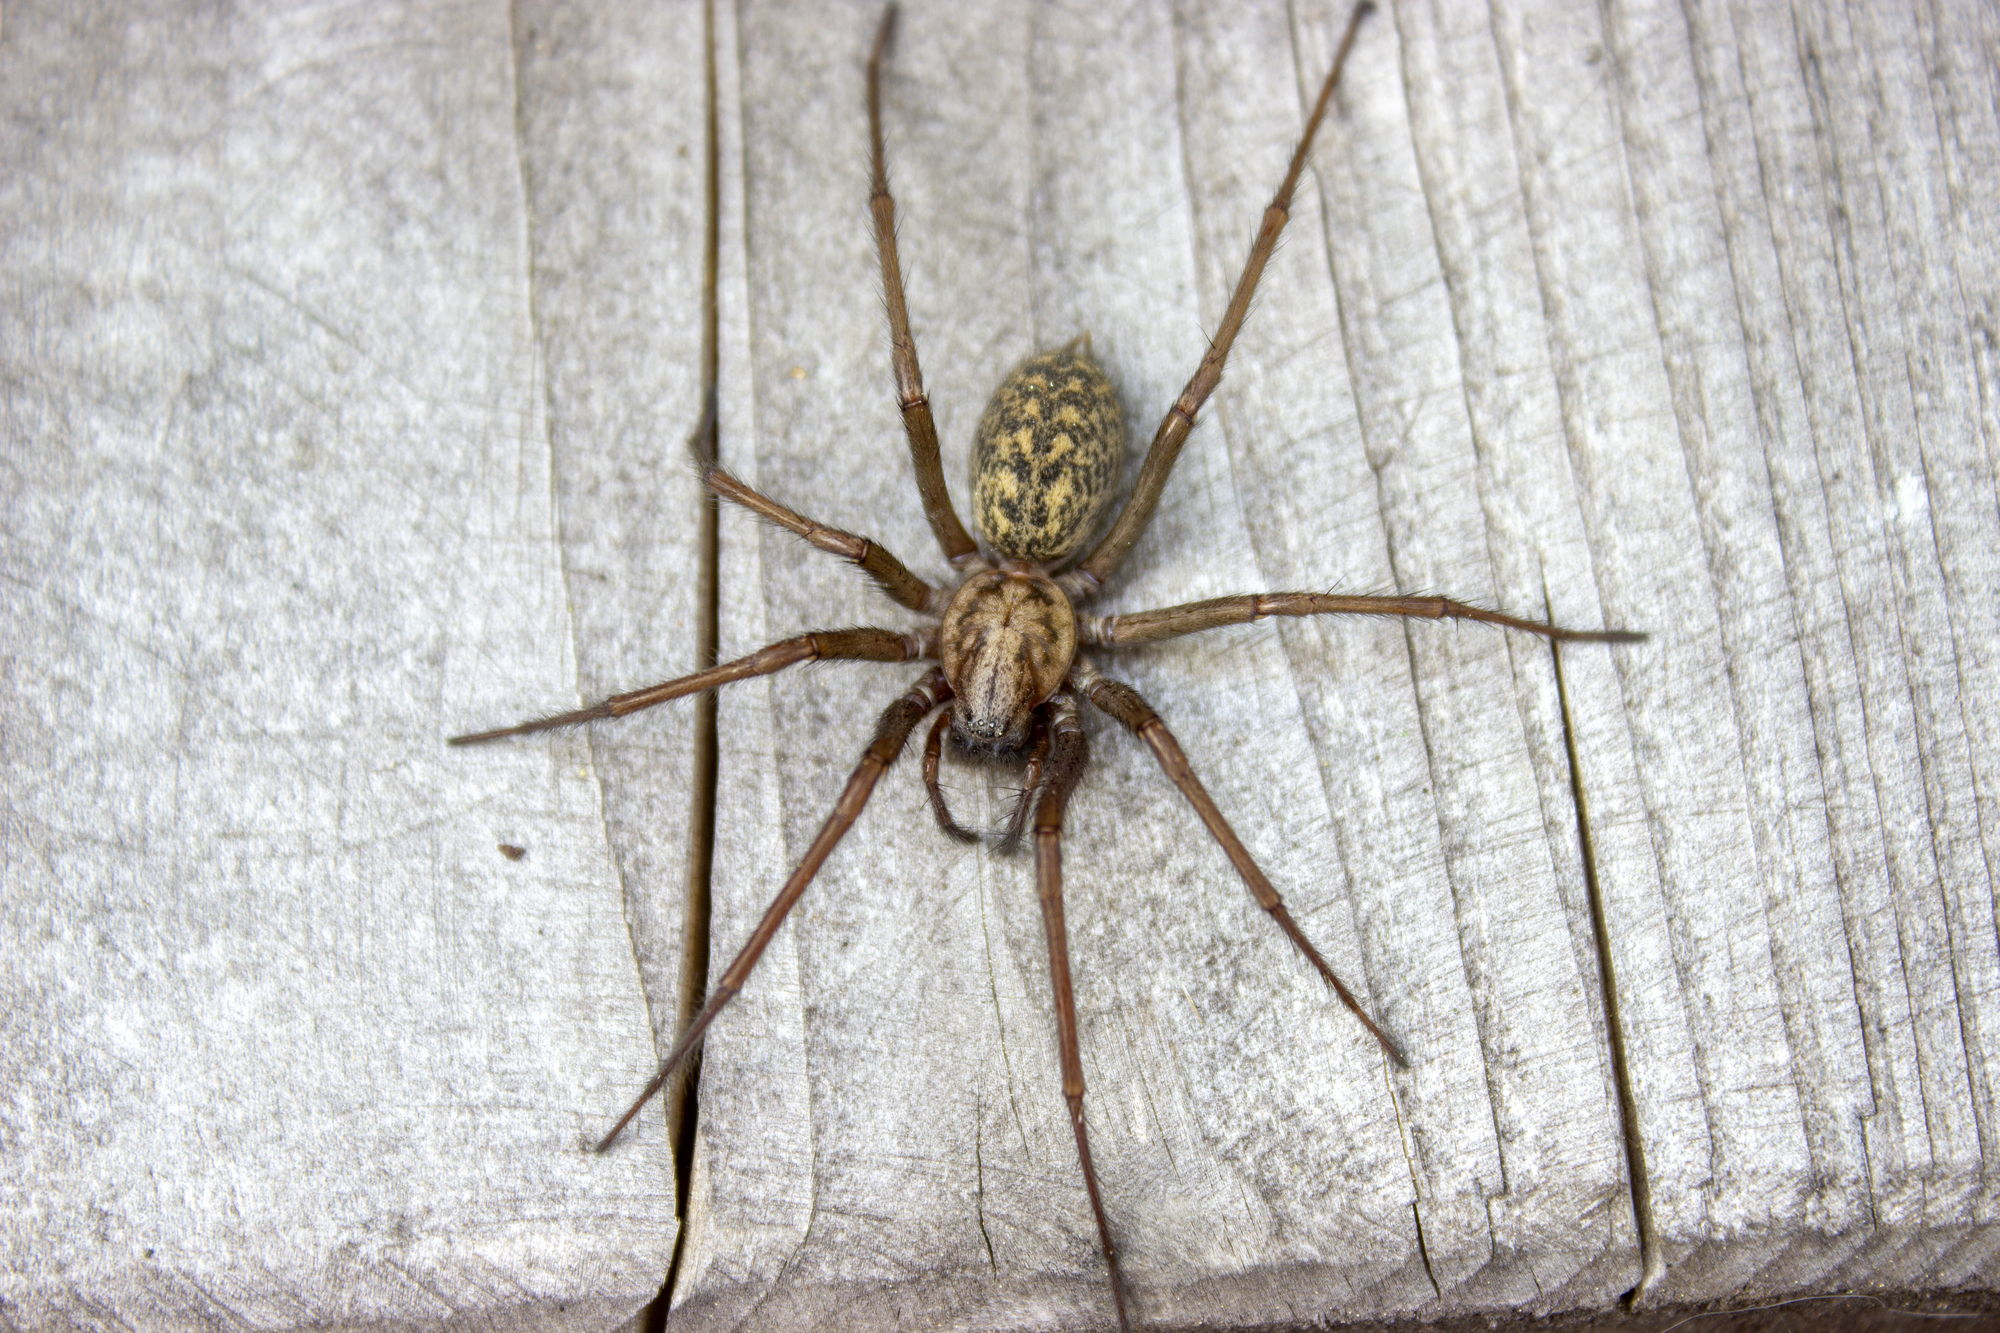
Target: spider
[{"x": 1011, "y": 677}]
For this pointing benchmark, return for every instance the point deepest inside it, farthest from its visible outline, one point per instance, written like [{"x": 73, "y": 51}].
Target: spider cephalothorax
[
  {"x": 1006, "y": 644},
  {"x": 1012, "y": 674}
]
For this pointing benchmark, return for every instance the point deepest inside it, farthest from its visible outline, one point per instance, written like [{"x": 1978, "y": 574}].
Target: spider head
[{"x": 1007, "y": 641}]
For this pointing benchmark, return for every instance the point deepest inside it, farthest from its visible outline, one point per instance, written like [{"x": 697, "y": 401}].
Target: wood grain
[
  {"x": 289, "y": 1042},
  {"x": 349, "y": 363}
]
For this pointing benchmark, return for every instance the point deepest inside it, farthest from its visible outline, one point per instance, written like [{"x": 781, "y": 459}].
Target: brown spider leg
[
  {"x": 891, "y": 733},
  {"x": 1193, "y": 617},
  {"x": 918, "y": 425},
  {"x": 851, "y": 645},
  {"x": 1031, "y": 782},
  {"x": 933, "y": 750},
  {"x": 1069, "y": 751},
  {"x": 1122, "y": 702},
  {"x": 1091, "y": 572},
  {"x": 891, "y": 575}
]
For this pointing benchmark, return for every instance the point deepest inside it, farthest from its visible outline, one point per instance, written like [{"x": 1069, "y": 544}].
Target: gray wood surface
[
  {"x": 288, "y": 1042},
  {"x": 348, "y": 363}
]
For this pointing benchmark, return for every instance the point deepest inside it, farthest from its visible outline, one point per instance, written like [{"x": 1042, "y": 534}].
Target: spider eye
[{"x": 990, "y": 737}]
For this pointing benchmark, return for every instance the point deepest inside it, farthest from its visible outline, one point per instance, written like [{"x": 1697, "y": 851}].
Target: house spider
[{"x": 1011, "y": 677}]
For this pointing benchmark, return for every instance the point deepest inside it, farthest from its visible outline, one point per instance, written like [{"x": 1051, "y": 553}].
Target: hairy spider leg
[
  {"x": 865, "y": 644},
  {"x": 933, "y": 752},
  {"x": 851, "y": 645},
  {"x": 918, "y": 425},
  {"x": 1068, "y": 753},
  {"x": 890, "y": 575},
  {"x": 1171, "y": 622},
  {"x": 891, "y": 734},
  {"x": 1031, "y": 782},
  {"x": 1091, "y": 572},
  {"x": 1123, "y": 703}
]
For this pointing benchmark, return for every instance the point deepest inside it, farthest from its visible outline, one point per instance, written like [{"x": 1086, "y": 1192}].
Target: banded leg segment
[
  {"x": 1068, "y": 752},
  {"x": 1171, "y": 622},
  {"x": 1090, "y": 573},
  {"x": 918, "y": 425},
  {"x": 891, "y": 734},
  {"x": 1122, "y": 702},
  {"x": 891, "y": 575},
  {"x": 855, "y": 645}
]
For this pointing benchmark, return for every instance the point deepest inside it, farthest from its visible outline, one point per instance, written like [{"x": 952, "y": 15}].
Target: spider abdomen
[{"x": 1046, "y": 456}]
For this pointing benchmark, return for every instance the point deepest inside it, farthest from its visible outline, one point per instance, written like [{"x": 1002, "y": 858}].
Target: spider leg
[
  {"x": 891, "y": 733},
  {"x": 891, "y": 575},
  {"x": 1068, "y": 752},
  {"x": 1122, "y": 702},
  {"x": 858, "y": 645},
  {"x": 1193, "y": 617},
  {"x": 933, "y": 750},
  {"x": 916, "y": 405},
  {"x": 1031, "y": 782},
  {"x": 1091, "y": 572}
]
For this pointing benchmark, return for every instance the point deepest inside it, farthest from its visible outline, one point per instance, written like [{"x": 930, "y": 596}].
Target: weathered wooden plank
[
  {"x": 612, "y": 109},
  {"x": 1896, "y": 473},
  {"x": 1659, "y": 98},
  {"x": 1547, "y": 1221},
  {"x": 1552, "y": 384},
  {"x": 1672, "y": 898},
  {"x": 289, "y": 1043},
  {"x": 938, "y": 1151},
  {"x": 1047, "y": 191}
]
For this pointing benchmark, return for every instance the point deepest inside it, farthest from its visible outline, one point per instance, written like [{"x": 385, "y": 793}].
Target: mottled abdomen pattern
[{"x": 1047, "y": 456}]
